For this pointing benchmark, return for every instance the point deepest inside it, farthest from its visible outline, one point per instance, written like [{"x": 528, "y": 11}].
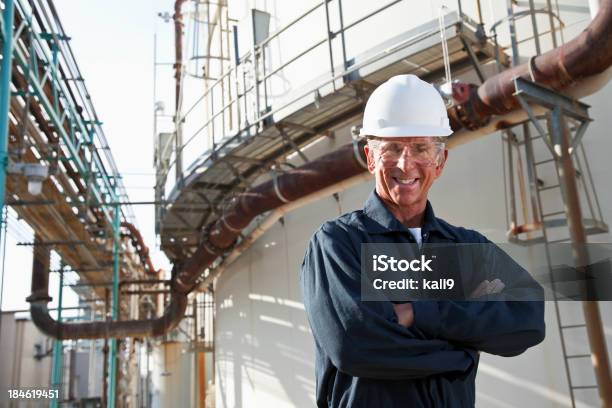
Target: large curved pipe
[
  {"x": 141, "y": 248},
  {"x": 39, "y": 311},
  {"x": 316, "y": 175},
  {"x": 562, "y": 68}
]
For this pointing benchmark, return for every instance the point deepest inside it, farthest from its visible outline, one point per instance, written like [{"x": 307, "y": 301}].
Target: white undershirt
[{"x": 416, "y": 234}]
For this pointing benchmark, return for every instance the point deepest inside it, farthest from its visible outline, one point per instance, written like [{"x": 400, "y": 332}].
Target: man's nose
[{"x": 405, "y": 161}]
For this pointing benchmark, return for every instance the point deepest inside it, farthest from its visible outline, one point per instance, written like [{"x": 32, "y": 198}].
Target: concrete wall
[{"x": 264, "y": 347}]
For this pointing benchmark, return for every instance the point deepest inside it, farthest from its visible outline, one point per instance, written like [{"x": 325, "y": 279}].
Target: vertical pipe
[
  {"x": 178, "y": 39},
  {"x": 592, "y": 316},
  {"x": 112, "y": 363},
  {"x": 201, "y": 378},
  {"x": 5, "y": 91}
]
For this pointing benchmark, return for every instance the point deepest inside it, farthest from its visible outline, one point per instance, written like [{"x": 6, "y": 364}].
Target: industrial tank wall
[{"x": 172, "y": 375}]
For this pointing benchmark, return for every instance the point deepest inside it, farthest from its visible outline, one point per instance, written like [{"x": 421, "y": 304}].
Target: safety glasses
[{"x": 422, "y": 153}]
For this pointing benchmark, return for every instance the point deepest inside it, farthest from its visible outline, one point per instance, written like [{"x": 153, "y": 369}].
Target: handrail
[
  {"x": 521, "y": 14},
  {"x": 290, "y": 24}
]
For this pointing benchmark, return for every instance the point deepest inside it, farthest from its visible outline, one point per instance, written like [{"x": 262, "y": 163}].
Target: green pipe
[
  {"x": 5, "y": 91},
  {"x": 112, "y": 364},
  {"x": 58, "y": 352}
]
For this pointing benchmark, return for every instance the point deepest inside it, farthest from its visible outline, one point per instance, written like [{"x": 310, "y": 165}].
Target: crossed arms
[{"x": 366, "y": 339}]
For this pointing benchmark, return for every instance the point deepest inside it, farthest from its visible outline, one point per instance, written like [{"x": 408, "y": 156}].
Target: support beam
[{"x": 5, "y": 91}]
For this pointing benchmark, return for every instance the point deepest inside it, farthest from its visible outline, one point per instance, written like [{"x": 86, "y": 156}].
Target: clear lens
[{"x": 422, "y": 153}]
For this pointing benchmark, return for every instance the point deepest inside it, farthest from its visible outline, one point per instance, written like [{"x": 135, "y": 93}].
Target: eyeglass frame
[{"x": 374, "y": 145}]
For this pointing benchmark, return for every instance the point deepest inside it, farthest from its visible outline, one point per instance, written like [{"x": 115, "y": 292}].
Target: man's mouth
[{"x": 406, "y": 181}]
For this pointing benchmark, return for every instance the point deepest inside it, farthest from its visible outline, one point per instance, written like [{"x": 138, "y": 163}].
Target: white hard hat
[{"x": 405, "y": 106}]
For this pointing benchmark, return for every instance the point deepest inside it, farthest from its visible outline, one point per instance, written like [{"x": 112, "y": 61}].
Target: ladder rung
[
  {"x": 582, "y": 387},
  {"x": 578, "y": 356},
  {"x": 543, "y": 162},
  {"x": 573, "y": 326},
  {"x": 556, "y": 241},
  {"x": 553, "y": 213},
  {"x": 548, "y": 187}
]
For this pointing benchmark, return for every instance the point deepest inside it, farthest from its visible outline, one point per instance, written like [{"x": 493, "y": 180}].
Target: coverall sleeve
[
  {"x": 363, "y": 339},
  {"x": 504, "y": 324}
]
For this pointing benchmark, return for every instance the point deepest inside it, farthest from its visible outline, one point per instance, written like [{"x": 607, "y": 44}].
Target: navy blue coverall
[{"x": 365, "y": 358}]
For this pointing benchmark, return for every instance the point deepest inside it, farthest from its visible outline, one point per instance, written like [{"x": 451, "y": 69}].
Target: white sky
[{"x": 113, "y": 44}]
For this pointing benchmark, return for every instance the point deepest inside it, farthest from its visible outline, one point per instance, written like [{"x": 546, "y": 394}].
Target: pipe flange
[
  {"x": 531, "y": 68},
  {"x": 276, "y": 185},
  {"x": 39, "y": 298},
  {"x": 356, "y": 151},
  {"x": 229, "y": 226}
]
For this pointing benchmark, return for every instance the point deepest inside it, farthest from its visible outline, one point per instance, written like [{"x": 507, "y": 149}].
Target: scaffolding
[{"x": 52, "y": 138}]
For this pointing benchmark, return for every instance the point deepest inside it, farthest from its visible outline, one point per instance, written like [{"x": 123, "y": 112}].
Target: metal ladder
[{"x": 546, "y": 220}]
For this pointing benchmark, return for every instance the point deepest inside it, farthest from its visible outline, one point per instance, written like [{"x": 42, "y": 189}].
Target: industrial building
[{"x": 256, "y": 113}]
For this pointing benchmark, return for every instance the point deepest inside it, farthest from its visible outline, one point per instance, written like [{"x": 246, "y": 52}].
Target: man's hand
[
  {"x": 487, "y": 288},
  {"x": 404, "y": 313}
]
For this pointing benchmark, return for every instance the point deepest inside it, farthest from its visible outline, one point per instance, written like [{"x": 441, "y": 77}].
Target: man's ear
[
  {"x": 440, "y": 166},
  {"x": 370, "y": 158}
]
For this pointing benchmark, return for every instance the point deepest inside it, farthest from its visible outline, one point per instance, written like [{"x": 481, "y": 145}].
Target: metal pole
[
  {"x": 105, "y": 351},
  {"x": 592, "y": 316},
  {"x": 512, "y": 26},
  {"x": 329, "y": 45},
  {"x": 4, "y": 211},
  {"x": 112, "y": 363},
  {"x": 5, "y": 92},
  {"x": 58, "y": 352}
]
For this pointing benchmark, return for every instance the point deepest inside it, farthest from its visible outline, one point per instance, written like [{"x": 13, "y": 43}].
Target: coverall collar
[{"x": 380, "y": 220}]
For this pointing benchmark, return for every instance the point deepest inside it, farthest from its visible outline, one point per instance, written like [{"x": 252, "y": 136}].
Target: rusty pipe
[
  {"x": 588, "y": 54},
  {"x": 141, "y": 248},
  {"x": 178, "y": 48},
  {"x": 326, "y": 171},
  {"x": 39, "y": 312},
  {"x": 108, "y": 329}
]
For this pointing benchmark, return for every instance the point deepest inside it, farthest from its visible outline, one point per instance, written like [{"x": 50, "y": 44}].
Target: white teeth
[{"x": 406, "y": 181}]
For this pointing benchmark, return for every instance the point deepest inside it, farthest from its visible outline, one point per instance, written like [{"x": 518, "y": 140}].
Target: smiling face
[{"x": 404, "y": 181}]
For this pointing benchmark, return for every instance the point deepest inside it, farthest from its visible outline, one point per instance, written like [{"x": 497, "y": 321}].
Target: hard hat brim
[{"x": 407, "y": 131}]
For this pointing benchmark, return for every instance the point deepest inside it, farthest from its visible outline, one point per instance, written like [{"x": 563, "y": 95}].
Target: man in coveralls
[{"x": 410, "y": 354}]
